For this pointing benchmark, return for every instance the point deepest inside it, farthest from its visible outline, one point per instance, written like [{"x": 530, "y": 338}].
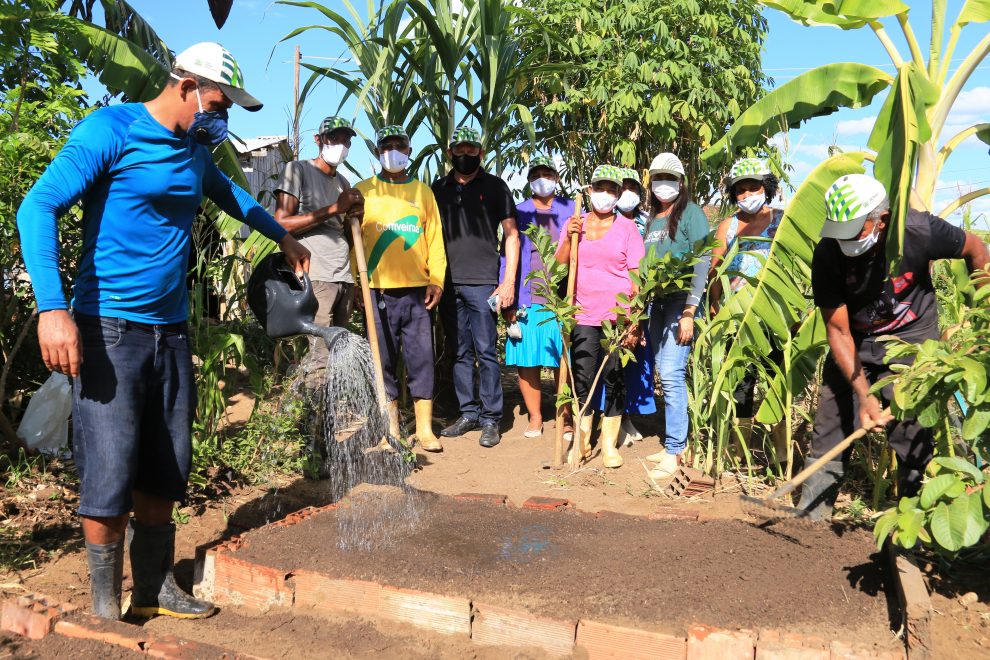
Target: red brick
[
  {"x": 614, "y": 515},
  {"x": 238, "y": 582},
  {"x": 324, "y": 593},
  {"x": 499, "y": 626},
  {"x": 170, "y": 647},
  {"x": 491, "y": 498},
  {"x": 789, "y": 651},
  {"x": 444, "y": 614},
  {"x": 844, "y": 651},
  {"x": 601, "y": 640},
  {"x": 710, "y": 643},
  {"x": 547, "y": 503},
  {"x": 87, "y": 626},
  {"x": 32, "y": 615},
  {"x": 672, "y": 513}
]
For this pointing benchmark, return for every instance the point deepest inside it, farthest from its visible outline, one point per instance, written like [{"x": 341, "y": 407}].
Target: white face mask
[
  {"x": 628, "y": 200},
  {"x": 666, "y": 191},
  {"x": 857, "y": 247},
  {"x": 333, "y": 154},
  {"x": 753, "y": 203},
  {"x": 543, "y": 187},
  {"x": 394, "y": 161},
  {"x": 603, "y": 201}
]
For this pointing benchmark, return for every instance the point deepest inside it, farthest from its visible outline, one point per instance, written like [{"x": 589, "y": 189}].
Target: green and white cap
[
  {"x": 847, "y": 203},
  {"x": 609, "y": 173},
  {"x": 748, "y": 168},
  {"x": 212, "y": 61},
  {"x": 632, "y": 173},
  {"x": 667, "y": 163},
  {"x": 392, "y": 130},
  {"x": 541, "y": 160},
  {"x": 465, "y": 134},
  {"x": 331, "y": 124}
]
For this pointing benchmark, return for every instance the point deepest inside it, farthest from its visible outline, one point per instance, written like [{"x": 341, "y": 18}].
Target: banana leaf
[
  {"x": 119, "y": 64},
  {"x": 974, "y": 11},
  {"x": 848, "y": 15},
  {"x": 818, "y": 92},
  {"x": 763, "y": 314}
]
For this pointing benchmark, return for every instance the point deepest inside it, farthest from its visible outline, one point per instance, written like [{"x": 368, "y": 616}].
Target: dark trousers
[
  {"x": 471, "y": 322},
  {"x": 838, "y": 414},
  {"x": 586, "y": 357},
  {"x": 403, "y": 324}
]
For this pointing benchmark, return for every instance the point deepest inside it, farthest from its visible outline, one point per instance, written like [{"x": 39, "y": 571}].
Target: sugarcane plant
[{"x": 657, "y": 276}]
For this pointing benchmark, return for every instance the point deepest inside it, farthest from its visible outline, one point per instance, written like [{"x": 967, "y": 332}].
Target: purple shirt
[{"x": 553, "y": 220}]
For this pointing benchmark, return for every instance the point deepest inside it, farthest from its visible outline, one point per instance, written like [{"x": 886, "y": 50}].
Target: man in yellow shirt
[{"x": 403, "y": 242}]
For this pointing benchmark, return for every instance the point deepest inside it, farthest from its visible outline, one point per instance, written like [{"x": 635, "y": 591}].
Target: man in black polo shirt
[
  {"x": 860, "y": 301},
  {"x": 473, "y": 203}
]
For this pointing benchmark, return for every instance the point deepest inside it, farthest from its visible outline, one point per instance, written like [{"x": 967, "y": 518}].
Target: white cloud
[{"x": 856, "y": 126}]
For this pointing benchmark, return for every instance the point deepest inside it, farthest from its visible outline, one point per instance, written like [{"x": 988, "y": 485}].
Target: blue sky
[{"x": 253, "y": 31}]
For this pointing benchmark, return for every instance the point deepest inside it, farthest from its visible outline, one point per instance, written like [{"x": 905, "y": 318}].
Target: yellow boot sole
[{"x": 149, "y": 612}]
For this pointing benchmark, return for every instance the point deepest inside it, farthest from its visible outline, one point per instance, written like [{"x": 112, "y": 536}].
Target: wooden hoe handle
[{"x": 558, "y": 444}]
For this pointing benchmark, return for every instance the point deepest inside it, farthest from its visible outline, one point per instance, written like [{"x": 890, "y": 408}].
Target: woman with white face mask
[
  {"x": 533, "y": 343},
  {"x": 609, "y": 251},
  {"x": 676, "y": 225},
  {"x": 750, "y": 186}
]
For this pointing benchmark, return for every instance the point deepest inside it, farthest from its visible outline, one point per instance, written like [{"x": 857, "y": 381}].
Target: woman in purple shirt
[{"x": 532, "y": 344}]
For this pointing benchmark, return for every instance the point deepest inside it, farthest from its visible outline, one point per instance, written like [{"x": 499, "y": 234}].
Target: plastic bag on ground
[{"x": 45, "y": 425}]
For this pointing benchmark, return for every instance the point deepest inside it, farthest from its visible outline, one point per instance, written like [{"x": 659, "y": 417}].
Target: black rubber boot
[
  {"x": 155, "y": 591},
  {"x": 819, "y": 492},
  {"x": 106, "y": 570}
]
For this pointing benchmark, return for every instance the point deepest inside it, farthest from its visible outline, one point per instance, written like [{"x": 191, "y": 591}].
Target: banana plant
[{"x": 907, "y": 135}]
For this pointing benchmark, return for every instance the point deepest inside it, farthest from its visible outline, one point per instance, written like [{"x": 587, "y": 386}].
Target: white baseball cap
[
  {"x": 667, "y": 163},
  {"x": 215, "y": 63},
  {"x": 847, "y": 203}
]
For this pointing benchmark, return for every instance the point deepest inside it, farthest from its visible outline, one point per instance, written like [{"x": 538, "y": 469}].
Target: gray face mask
[{"x": 856, "y": 247}]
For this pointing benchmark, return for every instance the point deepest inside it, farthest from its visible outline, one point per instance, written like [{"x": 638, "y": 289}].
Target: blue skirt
[
  {"x": 540, "y": 344},
  {"x": 638, "y": 379}
]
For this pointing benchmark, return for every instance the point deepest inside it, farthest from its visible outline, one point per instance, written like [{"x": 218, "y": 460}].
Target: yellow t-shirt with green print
[{"x": 403, "y": 242}]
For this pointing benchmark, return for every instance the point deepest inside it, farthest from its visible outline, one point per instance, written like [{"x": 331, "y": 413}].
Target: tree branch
[
  {"x": 884, "y": 38},
  {"x": 955, "y": 141},
  {"x": 956, "y": 83},
  {"x": 919, "y": 59}
]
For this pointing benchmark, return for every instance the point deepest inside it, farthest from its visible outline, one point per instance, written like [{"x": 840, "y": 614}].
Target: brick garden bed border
[{"x": 227, "y": 580}]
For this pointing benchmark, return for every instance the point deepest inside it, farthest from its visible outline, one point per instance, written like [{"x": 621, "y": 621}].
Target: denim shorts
[{"x": 132, "y": 411}]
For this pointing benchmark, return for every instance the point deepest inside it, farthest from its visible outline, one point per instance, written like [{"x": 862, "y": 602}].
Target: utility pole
[{"x": 295, "y": 108}]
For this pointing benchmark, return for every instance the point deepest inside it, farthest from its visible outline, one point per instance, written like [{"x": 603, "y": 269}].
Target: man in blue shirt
[{"x": 140, "y": 172}]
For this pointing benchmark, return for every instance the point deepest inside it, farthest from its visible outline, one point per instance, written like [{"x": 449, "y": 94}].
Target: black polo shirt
[{"x": 470, "y": 215}]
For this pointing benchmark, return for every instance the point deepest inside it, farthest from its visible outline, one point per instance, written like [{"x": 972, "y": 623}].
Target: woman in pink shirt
[{"x": 609, "y": 249}]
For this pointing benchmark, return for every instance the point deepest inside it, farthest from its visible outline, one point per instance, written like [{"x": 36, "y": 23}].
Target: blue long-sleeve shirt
[{"x": 140, "y": 186}]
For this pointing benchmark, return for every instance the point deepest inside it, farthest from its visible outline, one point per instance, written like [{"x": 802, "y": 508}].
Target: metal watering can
[{"x": 283, "y": 303}]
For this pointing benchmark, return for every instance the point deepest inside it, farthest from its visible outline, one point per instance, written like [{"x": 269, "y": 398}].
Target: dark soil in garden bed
[
  {"x": 660, "y": 575},
  {"x": 56, "y": 647}
]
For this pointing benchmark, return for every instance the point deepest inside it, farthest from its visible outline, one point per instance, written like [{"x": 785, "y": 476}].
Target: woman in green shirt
[{"x": 677, "y": 224}]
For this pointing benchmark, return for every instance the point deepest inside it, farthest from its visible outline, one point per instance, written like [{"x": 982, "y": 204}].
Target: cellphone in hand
[{"x": 493, "y": 302}]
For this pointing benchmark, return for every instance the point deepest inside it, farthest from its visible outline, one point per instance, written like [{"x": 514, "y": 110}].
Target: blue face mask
[{"x": 208, "y": 128}]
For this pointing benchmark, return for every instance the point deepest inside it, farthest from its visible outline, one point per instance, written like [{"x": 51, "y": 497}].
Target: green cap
[
  {"x": 391, "y": 131},
  {"x": 631, "y": 173},
  {"x": 541, "y": 161},
  {"x": 465, "y": 134},
  {"x": 331, "y": 124},
  {"x": 847, "y": 204},
  {"x": 748, "y": 168},
  {"x": 609, "y": 173}
]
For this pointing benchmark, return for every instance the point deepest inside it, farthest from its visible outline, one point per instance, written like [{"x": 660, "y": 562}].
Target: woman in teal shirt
[{"x": 677, "y": 224}]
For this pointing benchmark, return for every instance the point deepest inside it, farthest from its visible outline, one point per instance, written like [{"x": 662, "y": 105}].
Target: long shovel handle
[
  {"x": 369, "y": 312},
  {"x": 558, "y": 445},
  {"x": 818, "y": 463}
]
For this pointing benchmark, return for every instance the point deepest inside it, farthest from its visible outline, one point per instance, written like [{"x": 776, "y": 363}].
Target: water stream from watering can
[{"x": 346, "y": 426}]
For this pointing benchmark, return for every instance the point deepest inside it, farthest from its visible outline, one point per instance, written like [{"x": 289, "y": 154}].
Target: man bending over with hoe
[
  {"x": 403, "y": 242},
  {"x": 860, "y": 302},
  {"x": 140, "y": 171}
]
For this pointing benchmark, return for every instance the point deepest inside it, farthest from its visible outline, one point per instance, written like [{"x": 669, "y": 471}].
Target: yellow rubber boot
[
  {"x": 581, "y": 450},
  {"x": 392, "y": 409},
  {"x": 424, "y": 425},
  {"x": 609, "y": 437}
]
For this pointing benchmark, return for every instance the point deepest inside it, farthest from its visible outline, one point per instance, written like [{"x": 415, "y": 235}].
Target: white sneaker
[{"x": 667, "y": 465}]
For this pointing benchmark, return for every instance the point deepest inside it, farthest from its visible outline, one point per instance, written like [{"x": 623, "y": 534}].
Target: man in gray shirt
[{"x": 311, "y": 201}]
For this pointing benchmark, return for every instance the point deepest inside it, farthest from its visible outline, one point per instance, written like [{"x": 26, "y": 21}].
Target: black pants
[
  {"x": 745, "y": 392},
  {"x": 586, "y": 358},
  {"x": 838, "y": 414}
]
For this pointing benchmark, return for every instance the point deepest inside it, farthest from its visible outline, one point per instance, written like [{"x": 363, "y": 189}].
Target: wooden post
[
  {"x": 369, "y": 312},
  {"x": 295, "y": 108},
  {"x": 558, "y": 444}
]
